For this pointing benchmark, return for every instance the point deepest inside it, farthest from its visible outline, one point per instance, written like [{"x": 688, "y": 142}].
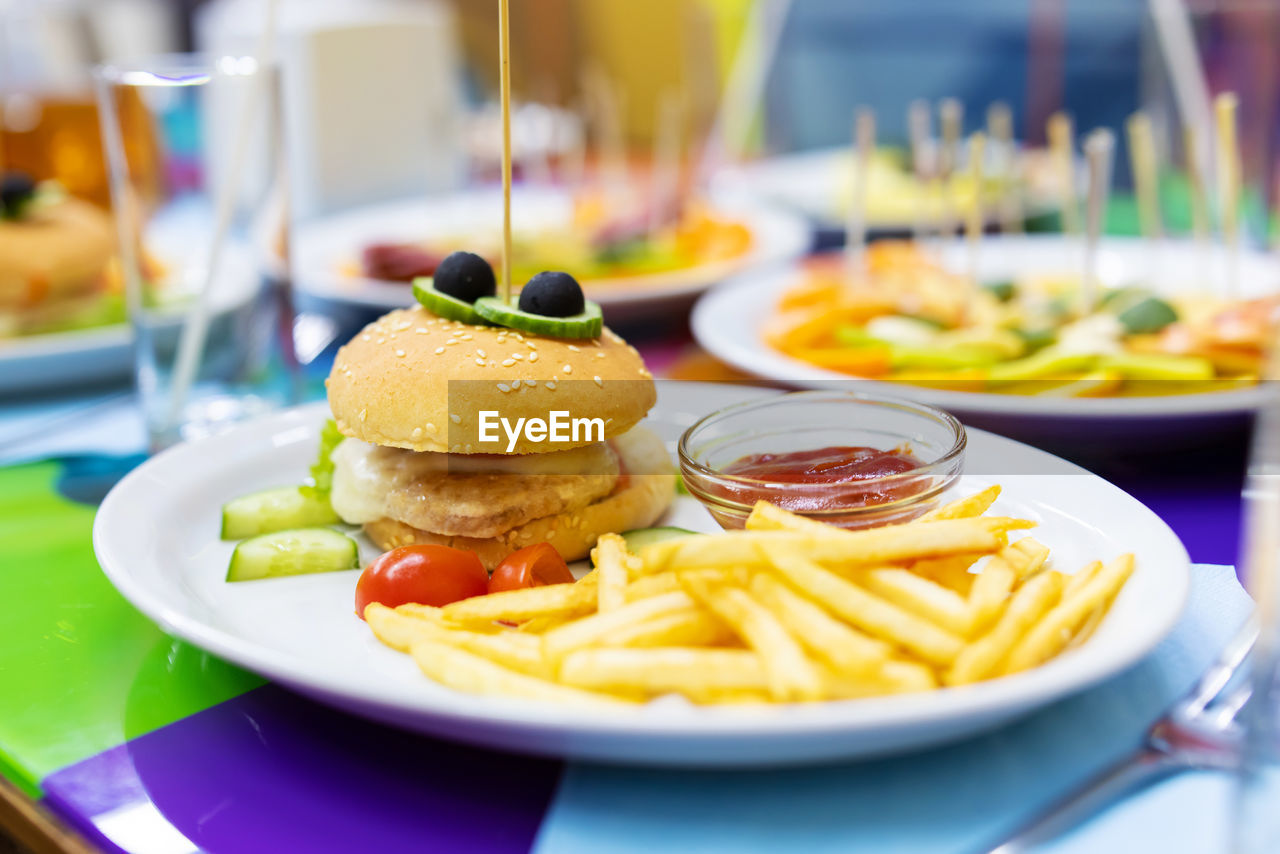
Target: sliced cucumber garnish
[
  {"x": 276, "y": 510},
  {"x": 300, "y": 551},
  {"x": 642, "y": 537},
  {"x": 442, "y": 304},
  {"x": 1002, "y": 291},
  {"x": 588, "y": 324},
  {"x": 1150, "y": 314}
]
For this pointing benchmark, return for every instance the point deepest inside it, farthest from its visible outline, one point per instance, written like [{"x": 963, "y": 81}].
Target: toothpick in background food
[
  {"x": 1193, "y": 145},
  {"x": 973, "y": 216},
  {"x": 665, "y": 179},
  {"x": 864, "y": 145},
  {"x": 951, "y": 123},
  {"x": 1099, "y": 152},
  {"x": 1061, "y": 145},
  {"x": 1000, "y": 133},
  {"x": 1146, "y": 173},
  {"x": 1225, "y": 107},
  {"x": 920, "y": 128}
]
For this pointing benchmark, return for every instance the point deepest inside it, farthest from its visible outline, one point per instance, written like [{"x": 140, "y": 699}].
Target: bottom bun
[{"x": 640, "y": 502}]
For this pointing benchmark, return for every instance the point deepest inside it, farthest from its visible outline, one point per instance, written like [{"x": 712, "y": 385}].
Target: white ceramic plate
[
  {"x": 727, "y": 322},
  {"x": 102, "y": 353},
  {"x": 328, "y": 247},
  {"x": 156, "y": 536},
  {"x": 809, "y": 182}
]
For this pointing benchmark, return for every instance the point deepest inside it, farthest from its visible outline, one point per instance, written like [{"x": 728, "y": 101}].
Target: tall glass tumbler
[{"x": 200, "y": 197}]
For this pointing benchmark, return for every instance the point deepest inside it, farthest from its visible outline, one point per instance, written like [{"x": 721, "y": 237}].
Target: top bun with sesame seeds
[{"x": 414, "y": 380}]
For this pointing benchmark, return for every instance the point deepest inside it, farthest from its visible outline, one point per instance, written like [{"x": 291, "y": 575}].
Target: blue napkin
[{"x": 944, "y": 801}]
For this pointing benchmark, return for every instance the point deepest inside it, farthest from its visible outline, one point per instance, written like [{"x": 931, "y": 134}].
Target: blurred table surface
[{"x": 110, "y": 728}]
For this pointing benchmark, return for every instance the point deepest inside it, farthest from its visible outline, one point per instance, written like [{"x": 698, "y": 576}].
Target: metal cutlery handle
[{"x": 1136, "y": 772}]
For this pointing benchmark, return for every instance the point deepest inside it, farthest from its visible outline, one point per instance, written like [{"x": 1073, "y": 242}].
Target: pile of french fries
[{"x": 789, "y": 610}]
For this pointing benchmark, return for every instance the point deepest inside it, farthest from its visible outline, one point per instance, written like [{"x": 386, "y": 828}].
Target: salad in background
[{"x": 909, "y": 319}]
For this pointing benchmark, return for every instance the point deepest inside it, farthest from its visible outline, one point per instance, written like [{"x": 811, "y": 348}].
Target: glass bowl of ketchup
[{"x": 850, "y": 459}]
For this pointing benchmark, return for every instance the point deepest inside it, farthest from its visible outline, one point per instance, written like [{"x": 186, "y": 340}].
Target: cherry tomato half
[
  {"x": 427, "y": 575},
  {"x": 532, "y": 566}
]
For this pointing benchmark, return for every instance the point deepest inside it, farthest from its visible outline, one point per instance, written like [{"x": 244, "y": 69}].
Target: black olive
[
  {"x": 465, "y": 276},
  {"x": 552, "y": 295},
  {"x": 16, "y": 189}
]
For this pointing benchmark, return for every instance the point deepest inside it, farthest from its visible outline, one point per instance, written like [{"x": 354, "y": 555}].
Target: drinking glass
[{"x": 201, "y": 207}]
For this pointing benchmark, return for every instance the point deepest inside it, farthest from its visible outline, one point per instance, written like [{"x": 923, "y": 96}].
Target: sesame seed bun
[
  {"x": 638, "y": 502},
  {"x": 414, "y": 380}
]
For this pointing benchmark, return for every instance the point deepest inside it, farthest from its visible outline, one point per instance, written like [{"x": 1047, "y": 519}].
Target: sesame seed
[
  {"x": 417, "y": 433},
  {"x": 431, "y": 428},
  {"x": 515, "y": 384},
  {"x": 363, "y": 413},
  {"x": 533, "y": 357},
  {"x": 382, "y": 341},
  {"x": 574, "y": 348},
  {"x": 517, "y": 356},
  {"x": 455, "y": 418},
  {"x": 451, "y": 342},
  {"x": 421, "y": 330},
  {"x": 598, "y": 382},
  {"x": 600, "y": 354},
  {"x": 532, "y": 345},
  {"x": 506, "y": 363},
  {"x": 480, "y": 362},
  {"x": 568, "y": 369},
  {"x": 504, "y": 388},
  {"x": 466, "y": 336},
  {"x": 439, "y": 350},
  {"x": 480, "y": 353},
  {"x": 400, "y": 353},
  {"x": 364, "y": 337},
  {"x": 550, "y": 384}
]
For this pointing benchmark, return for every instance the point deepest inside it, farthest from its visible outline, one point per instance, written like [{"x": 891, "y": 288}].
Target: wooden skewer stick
[
  {"x": 950, "y": 123},
  {"x": 1193, "y": 147},
  {"x": 504, "y": 86},
  {"x": 1099, "y": 152},
  {"x": 1225, "y": 107},
  {"x": 1146, "y": 174},
  {"x": 1000, "y": 133},
  {"x": 1060, "y": 133},
  {"x": 665, "y": 175},
  {"x": 920, "y": 128},
  {"x": 973, "y": 216},
  {"x": 864, "y": 145}
]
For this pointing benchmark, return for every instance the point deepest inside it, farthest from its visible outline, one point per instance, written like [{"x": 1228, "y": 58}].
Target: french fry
[
  {"x": 965, "y": 508},
  {"x": 652, "y": 585},
  {"x": 770, "y": 517},
  {"x": 990, "y": 592},
  {"x": 894, "y": 677},
  {"x": 696, "y": 673},
  {"x": 791, "y": 675},
  {"x": 1054, "y": 632},
  {"x": 1088, "y": 627},
  {"x": 510, "y": 649},
  {"x": 863, "y": 610},
  {"x": 1082, "y": 577},
  {"x": 981, "y": 658},
  {"x": 845, "y": 649},
  {"x": 920, "y": 596},
  {"x": 541, "y": 625},
  {"x": 692, "y": 627},
  {"x": 464, "y": 671},
  {"x": 951, "y": 572},
  {"x": 889, "y": 545},
  {"x": 594, "y": 629},
  {"x": 610, "y": 557},
  {"x": 1034, "y": 554},
  {"x": 519, "y": 605}
]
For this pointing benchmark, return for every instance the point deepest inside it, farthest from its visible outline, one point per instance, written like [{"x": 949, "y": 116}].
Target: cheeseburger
[{"x": 492, "y": 437}]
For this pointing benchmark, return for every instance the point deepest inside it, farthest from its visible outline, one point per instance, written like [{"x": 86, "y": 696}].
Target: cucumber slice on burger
[{"x": 442, "y": 304}]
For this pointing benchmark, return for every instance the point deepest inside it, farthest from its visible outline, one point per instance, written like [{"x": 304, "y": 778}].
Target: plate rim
[{"x": 1012, "y": 695}]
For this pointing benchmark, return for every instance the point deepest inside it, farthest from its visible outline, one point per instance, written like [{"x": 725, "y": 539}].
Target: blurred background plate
[
  {"x": 727, "y": 323},
  {"x": 328, "y": 249}
]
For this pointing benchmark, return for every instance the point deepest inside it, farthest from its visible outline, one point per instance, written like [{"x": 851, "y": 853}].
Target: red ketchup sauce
[{"x": 842, "y": 478}]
